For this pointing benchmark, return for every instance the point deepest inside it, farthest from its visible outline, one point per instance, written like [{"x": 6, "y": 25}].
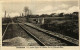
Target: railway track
[
  {"x": 64, "y": 38},
  {"x": 44, "y": 39}
]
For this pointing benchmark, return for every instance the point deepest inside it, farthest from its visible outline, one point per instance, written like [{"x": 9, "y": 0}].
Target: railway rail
[
  {"x": 39, "y": 41},
  {"x": 5, "y": 30}
]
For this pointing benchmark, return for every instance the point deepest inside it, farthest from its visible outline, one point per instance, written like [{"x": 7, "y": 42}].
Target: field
[{"x": 67, "y": 27}]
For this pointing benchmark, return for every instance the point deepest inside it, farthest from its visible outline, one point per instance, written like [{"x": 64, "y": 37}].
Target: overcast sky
[{"x": 40, "y": 7}]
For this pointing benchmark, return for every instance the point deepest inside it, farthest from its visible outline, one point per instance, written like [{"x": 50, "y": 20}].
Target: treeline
[
  {"x": 74, "y": 14},
  {"x": 6, "y": 20}
]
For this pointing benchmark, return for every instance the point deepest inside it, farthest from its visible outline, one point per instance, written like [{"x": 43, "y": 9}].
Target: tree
[
  {"x": 61, "y": 14},
  {"x": 26, "y": 10}
]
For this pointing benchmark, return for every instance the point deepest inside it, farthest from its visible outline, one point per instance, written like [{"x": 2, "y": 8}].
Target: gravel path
[{"x": 15, "y": 36}]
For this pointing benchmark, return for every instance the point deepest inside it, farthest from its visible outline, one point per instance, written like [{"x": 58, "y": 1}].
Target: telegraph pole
[
  {"x": 22, "y": 15},
  {"x": 5, "y": 14}
]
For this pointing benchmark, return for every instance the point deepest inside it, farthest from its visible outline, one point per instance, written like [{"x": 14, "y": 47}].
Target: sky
[{"x": 14, "y": 8}]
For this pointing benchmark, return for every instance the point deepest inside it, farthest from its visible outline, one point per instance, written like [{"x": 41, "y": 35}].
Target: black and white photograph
[{"x": 40, "y": 23}]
